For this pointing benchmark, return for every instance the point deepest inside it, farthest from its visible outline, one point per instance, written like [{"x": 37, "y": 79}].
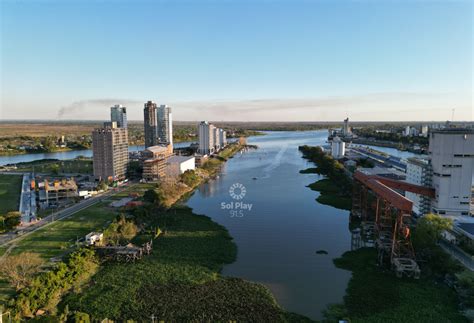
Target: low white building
[
  {"x": 94, "y": 238},
  {"x": 177, "y": 165},
  {"x": 338, "y": 148}
]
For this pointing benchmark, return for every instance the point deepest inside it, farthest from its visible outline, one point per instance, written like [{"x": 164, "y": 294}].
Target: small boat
[{"x": 254, "y": 178}]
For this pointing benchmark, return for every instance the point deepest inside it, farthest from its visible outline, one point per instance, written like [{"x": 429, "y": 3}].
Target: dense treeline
[
  {"x": 44, "y": 292},
  {"x": 328, "y": 166},
  {"x": 396, "y": 137}
]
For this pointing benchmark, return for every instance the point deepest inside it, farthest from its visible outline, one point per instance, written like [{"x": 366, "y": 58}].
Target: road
[{"x": 20, "y": 233}]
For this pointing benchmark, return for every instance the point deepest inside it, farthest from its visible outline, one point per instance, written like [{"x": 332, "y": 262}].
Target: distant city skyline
[{"x": 238, "y": 60}]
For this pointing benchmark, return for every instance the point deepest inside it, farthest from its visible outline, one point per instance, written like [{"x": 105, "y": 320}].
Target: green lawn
[
  {"x": 60, "y": 237},
  {"x": 10, "y": 192},
  {"x": 80, "y": 166},
  {"x": 377, "y": 295}
]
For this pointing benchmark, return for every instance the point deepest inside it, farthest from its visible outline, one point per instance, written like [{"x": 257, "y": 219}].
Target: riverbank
[
  {"x": 335, "y": 190},
  {"x": 184, "y": 270},
  {"x": 376, "y": 295}
]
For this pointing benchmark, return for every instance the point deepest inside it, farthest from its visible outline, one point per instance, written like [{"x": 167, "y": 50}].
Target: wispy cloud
[
  {"x": 397, "y": 106},
  {"x": 84, "y": 105}
]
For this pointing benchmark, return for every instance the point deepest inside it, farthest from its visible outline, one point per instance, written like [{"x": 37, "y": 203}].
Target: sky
[{"x": 225, "y": 60}]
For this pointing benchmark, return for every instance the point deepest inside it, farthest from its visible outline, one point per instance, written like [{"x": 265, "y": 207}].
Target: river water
[{"x": 279, "y": 235}]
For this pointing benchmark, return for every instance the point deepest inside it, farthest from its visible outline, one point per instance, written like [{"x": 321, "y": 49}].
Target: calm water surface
[{"x": 278, "y": 237}]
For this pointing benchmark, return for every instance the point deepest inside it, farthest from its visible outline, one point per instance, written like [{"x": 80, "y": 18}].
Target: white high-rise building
[
  {"x": 419, "y": 173},
  {"x": 338, "y": 148},
  {"x": 424, "y": 131},
  {"x": 164, "y": 125},
  {"x": 452, "y": 160},
  {"x": 222, "y": 138},
  {"x": 206, "y": 140},
  {"x": 118, "y": 114},
  {"x": 216, "y": 139}
]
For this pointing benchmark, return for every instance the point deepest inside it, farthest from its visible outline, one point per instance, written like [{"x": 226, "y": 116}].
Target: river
[
  {"x": 64, "y": 155},
  {"x": 279, "y": 235}
]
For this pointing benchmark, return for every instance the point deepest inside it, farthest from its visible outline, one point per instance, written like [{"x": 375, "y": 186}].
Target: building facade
[
  {"x": 165, "y": 125},
  {"x": 338, "y": 148},
  {"x": 177, "y": 165},
  {"x": 118, "y": 114},
  {"x": 206, "y": 138},
  {"x": 346, "y": 130},
  {"x": 419, "y": 173},
  {"x": 452, "y": 160},
  {"x": 155, "y": 162},
  {"x": 150, "y": 121},
  {"x": 110, "y": 152}
]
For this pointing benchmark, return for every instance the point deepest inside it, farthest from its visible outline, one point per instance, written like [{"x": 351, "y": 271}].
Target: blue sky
[{"x": 238, "y": 60}]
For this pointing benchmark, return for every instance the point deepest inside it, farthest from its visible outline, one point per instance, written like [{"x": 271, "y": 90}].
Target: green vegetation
[
  {"x": 120, "y": 232},
  {"x": 190, "y": 178},
  {"x": 395, "y": 136},
  {"x": 10, "y": 191},
  {"x": 312, "y": 170},
  {"x": 46, "y": 290},
  {"x": 179, "y": 281},
  {"x": 434, "y": 262},
  {"x": 329, "y": 194},
  {"x": 55, "y": 167},
  {"x": 336, "y": 189},
  {"x": 9, "y": 221},
  {"x": 374, "y": 295},
  {"x": 59, "y": 237}
]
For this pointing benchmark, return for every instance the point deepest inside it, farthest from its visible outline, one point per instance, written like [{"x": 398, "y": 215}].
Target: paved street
[{"x": 62, "y": 214}]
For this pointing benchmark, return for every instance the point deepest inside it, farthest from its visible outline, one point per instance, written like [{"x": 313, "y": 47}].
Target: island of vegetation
[{"x": 336, "y": 188}]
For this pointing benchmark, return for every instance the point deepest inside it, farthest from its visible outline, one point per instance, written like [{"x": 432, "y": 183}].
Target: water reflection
[{"x": 279, "y": 236}]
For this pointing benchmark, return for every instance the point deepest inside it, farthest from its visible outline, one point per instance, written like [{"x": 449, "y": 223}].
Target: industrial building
[
  {"x": 452, "y": 162},
  {"x": 419, "y": 173},
  {"x": 110, "y": 152},
  {"x": 177, "y": 165},
  {"x": 338, "y": 148}
]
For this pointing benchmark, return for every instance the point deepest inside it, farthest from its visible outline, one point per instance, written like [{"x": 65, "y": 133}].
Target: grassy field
[
  {"x": 80, "y": 166},
  {"x": 10, "y": 191},
  {"x": 179, "y": 281},
  {"x": 60, "y": 237},
  {"x": 375, "y": 295},
  {"x": 329, "y": 194}
]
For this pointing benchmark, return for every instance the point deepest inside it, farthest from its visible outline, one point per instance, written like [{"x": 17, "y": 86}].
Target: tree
[
  {"x": 20, "y": 269},
  {"x": 102, "y": 186},
  {"x": 11, "y": 220},
  {"x": 428, "y": 230},
  {"x": 154, "y": 196}
]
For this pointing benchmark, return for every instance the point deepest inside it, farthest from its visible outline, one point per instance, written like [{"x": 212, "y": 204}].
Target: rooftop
[
  {"x": 179, "y": 159},
  {"x": 456, "y": 131}
]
